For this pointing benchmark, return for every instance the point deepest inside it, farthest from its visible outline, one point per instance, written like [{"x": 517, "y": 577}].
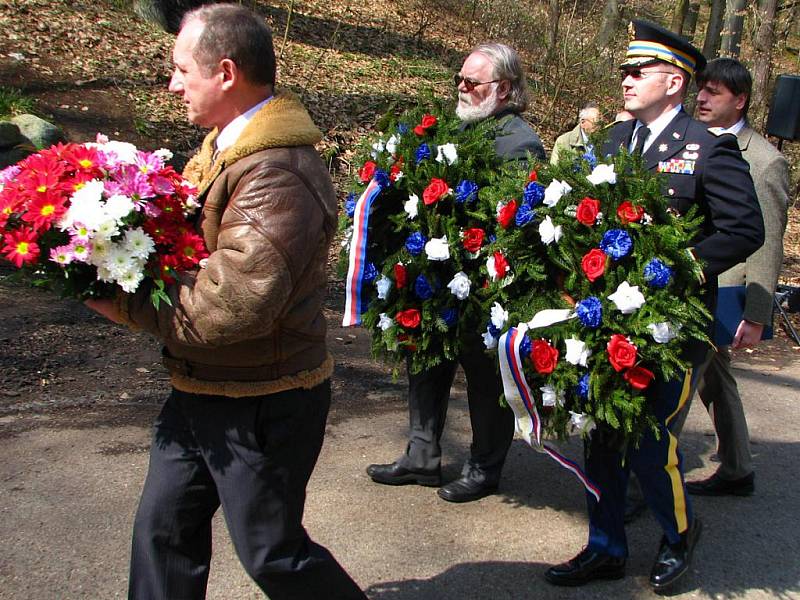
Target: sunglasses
[
  {"x": 637, "y": 74},
  {"x": 469, "y": 83}
]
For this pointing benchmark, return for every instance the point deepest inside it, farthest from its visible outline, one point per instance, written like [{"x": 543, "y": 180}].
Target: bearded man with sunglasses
[
  {"x": 491, "y": 85},
  {"x": 703, "y": 169}
]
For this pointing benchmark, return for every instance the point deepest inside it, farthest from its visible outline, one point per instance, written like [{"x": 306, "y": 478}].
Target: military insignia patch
[
  {"x": 663, "y": 148},
  {"x": 676, "y": 135},
  {"x": 690, "y": 155},
  {"x": 676, "y": 165},
  {"x": 693, "y": 147}
]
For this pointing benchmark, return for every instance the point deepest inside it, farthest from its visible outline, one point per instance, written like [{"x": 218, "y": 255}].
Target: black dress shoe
[
  {"x": 395, "y": 474},
  {"x": 587, "y": 566},
  {"x": 673, "y": 559},
  {"x": 466, "y": 489},
  {"x": 717, "y": 486}
]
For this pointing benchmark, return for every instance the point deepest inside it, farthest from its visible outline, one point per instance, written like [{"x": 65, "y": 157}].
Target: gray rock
[
  {"x": 10, "y": 135},
  {"x": 42, "y": 133},
  {"x": 12, "y": 156}
]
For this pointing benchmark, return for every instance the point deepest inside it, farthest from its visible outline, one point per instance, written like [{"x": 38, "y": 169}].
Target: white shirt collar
[
  {"x": 735, "y": 128},
  {"x": 231, "y": 132},
  {"x": 656, "y": 127}
]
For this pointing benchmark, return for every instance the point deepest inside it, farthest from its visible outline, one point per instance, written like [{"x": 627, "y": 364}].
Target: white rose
[
  {"x": 499, "y": 316},
  {"x": 447, "y": 153},
  {"x": 602, "y": 174},
  {"x": 551, "y": 396},
  {"x": 548, "y": 232},
  {"x": 577, "y": 352},
  {"x": 628, "y": 299},
  {"x": 663, "y": 332},
  {"x": 437, "y": 249},
  {"x": 554, "y": 192},
  {"x": 459, "y": 286},
  {"x": 384, "y": 284},
  {"x": 411, "y": 206},
  {"x": 385, "y": 322}
]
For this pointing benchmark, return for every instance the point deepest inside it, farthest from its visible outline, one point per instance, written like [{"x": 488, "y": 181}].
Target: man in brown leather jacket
[{"x": 244, "y": 337}]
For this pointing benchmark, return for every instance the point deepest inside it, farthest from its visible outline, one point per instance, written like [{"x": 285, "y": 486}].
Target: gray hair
[
  {"x": 584, "y": 112},
  {"x": 507, "y": 66}
]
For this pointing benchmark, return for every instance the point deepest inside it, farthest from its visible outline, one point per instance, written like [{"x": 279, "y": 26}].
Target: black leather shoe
[
  {"x": 673, "y": 559},
  {"x": 466, "y": 489},
  {"x": 395, "y": 474},
  {"x": 717, "y": 486},
  {"x": 586, "y": 567}
]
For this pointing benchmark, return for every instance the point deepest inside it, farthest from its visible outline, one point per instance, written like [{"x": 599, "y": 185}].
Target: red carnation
[
  {"x": 629, "y": 213},
  {"x": 500, "y": 265},
  {"x": 544, "y": 356},
  {"x": 366, "y": 172},
  {"x": 395, "y": 170},
  {"x": 428, "y": 121},
  {"x": 594, "y": 264},
  {"x": 638, "y": 377},
  {"x": 588, "y": 210},
  {"x": 621, "y": 353},
  {"x": 473, "y": 238},
  {"x": 436, "y": 189},
  {"x": 532, "y": 176},
  {"x": 400, "y": 277},
  {"x": 506, "y": 214},
  {"x": 408, "y": 318}
]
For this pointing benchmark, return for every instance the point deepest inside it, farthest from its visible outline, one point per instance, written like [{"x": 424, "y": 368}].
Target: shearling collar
[{"x": 282, "y": 122}]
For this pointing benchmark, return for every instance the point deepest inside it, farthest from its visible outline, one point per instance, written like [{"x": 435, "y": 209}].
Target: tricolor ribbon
[
  {"x": 520, "y": 397},
  {"x": 358, "y": 255}
]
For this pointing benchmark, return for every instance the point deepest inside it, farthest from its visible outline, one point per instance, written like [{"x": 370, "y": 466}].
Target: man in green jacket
[{"x": 577, "y": 139}]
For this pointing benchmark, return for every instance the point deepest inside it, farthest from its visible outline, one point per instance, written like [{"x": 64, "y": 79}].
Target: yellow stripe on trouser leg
[{"x": 671, "y": 467}]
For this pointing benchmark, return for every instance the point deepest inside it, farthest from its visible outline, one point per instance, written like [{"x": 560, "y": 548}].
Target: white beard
[{"x": 470, "y": 113}]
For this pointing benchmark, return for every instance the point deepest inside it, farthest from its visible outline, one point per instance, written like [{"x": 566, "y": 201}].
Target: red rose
[
  {"x": 408, "y": 318},
  {"x": 544, "y": 356},
  {"x": 594, "y": 264},
  {"x": 472, "y": 239},
  {"x": 628, "y": 213},
  {"x": 395, "y": 170},
  {"x": 506, "y": 214},
  {"x": 532, "y": 176},
  {"x": 587, "y": 211},
  {"x": 366, "y": 172},
  {"x": 621, "y": 353},
  {"x": 400, "y": 277},
  {"x": 435, "y": 190},
  {"x": 500, "y": 265},
  {"x": 428, "y": 121},
  {"x": 638, "y": 377}
]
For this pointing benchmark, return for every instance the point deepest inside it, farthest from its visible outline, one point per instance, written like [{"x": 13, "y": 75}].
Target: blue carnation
[
  {"x": 382, "y": 178},
  {"x": 350, "y": 205},
  {"x": 423, "y": 152},
  {"x": 616, "y": 243},
  {"x": 415, "y": 243},
  {"x": 590, "y": 158},
  {"x": 466, "y": 191},
  {"x": 450, "y": 316},
  {"x": 525, "y": 214},
  {"x": 492, "y": 329},
  {"x": 583, "y": 387},
  {"x": 525, "y": 345},
  {"x": 492, "y": 238},
  {"x": 422, "y": 288},
  {"x": 370, "y": 273},
  {"x": 657, "y": 274},
  {"x": 402, "y": 128},
  {"x": 590, "y": 312},
  {"x": 533, "y": 194}
]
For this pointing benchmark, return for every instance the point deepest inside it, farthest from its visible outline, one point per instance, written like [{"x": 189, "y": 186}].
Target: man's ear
[
  {"x": 503, "y": 89},
  {"x": 229, "y": 72},
  {"x": 741, "y": 101}
]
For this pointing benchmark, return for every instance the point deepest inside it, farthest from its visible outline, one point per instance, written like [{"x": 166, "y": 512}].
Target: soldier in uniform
[{"x": 704, "y": 170}]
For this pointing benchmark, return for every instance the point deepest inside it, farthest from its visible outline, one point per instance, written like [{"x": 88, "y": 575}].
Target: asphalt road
[{"x": 70, "y": 479}]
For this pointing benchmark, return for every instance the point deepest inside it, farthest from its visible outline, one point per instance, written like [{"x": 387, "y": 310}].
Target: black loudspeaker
[{"x": 784, "y": 114}]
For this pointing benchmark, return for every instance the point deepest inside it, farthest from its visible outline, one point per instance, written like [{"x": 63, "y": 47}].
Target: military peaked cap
[{"x": 650, "y": 42}]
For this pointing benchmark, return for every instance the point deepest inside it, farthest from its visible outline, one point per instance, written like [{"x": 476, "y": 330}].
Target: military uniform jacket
[{"x": 707, "y": 171}]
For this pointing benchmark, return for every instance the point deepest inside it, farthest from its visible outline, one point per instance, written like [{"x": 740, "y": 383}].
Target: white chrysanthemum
[
  {"x": 437, "y": 249},
  {"x": 548, "y": 232},
  {"x": 164, "y": 154},
  {"x": 120, "y": 152},
  {"x": 86, "y": 206},
  {"x": 107, "y": 229},
  {"x": 130, "y": 280},
  {"x": 411, "y": 206},
  {"x": 385, "y": 322},
  {"x": 118, "y": 207},
  {"x": 119, "y": 261},
  {"x": 447, "y": 153},
  {"x": 384, "y": 284},
  {"x": 628, "y": 299},
  {"x": 138, "y": 243},
  {"x": 103, "y": 274},
  {"x": 602, "y": 174},
  {"x": 459, "y": 286},
  {"x": 499, "y": 316}
]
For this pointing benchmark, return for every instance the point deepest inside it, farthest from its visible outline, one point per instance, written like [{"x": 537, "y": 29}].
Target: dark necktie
[{"x": 641, "y": 137}]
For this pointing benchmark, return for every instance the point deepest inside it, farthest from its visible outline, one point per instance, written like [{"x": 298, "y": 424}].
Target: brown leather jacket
[{"x": 250, "y": 322}]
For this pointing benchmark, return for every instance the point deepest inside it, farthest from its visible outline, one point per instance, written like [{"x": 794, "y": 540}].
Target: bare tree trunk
[
  {"x": 554, "y": 13},
  {"x": 711, "y": 44},
  {"x": 690, "y": 21},
  {"x": 608, "y": 25},
  {"x": 732, "y": 32},
  {"x": 762, "y": 60},
  {"x": 679, "y": 16}
]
